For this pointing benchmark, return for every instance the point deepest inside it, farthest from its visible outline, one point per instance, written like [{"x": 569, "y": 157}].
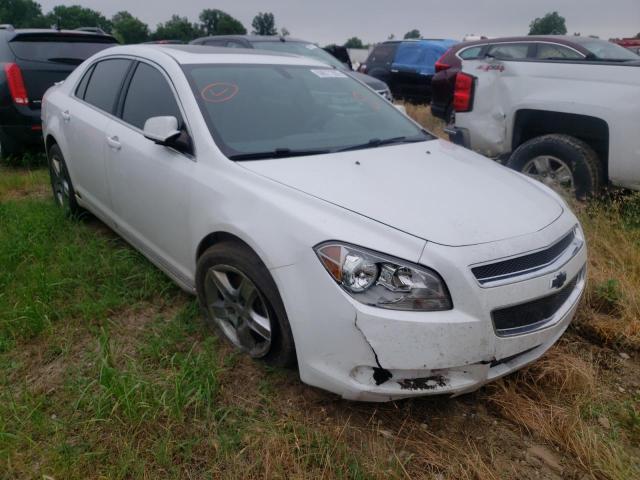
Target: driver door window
[{"x": 149, "y": 95}]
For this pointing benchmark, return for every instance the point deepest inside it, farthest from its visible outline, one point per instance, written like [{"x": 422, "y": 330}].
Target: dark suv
[
  {"x": 531, "y": 48},
  {"x": 407, "y": 66},
  {"x": 32, "y": 61},
  {"x": 296, "y": 47}
]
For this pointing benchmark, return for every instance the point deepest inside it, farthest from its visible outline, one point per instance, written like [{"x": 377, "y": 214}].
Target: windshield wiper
[
  {"x": 277, "y": 153},
  {"x": 377, "y": 142}
]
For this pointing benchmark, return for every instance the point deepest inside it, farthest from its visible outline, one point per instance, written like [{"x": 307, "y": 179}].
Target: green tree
[
  {"x": 76, "y": 16},
  {"x": 415, "y": 33},
  {"x": 264, "y": 24},
  {"x": 550, "y": 24},
  {"x": 217, "y": 22},
  {"x": 177, "y": 28},
  {"x": 284, "y": 31},
  {"x": 22, "y": 13},
  {"x": 354, "y": 42},
  {"x": 129, "y": 29}
]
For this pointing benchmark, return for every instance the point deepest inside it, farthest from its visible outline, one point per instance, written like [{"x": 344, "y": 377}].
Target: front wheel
[
  {"x": 240, "y": 299},
  {"x": 564, "y": 163}
]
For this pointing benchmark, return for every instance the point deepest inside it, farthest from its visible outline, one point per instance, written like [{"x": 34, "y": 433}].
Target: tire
[
  {"x": 61, "y": 185},
  {"x": 237, "y": 263},
  {"x": 564, "y": 152}
]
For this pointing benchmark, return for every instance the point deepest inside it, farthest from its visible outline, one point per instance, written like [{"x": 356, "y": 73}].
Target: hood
[
  {"x": 434, "y": 190},
  {"x": 370, "y": 81}
]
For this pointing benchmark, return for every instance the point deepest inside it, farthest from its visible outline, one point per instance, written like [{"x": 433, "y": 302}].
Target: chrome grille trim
[{"x": 529, "y": 265}]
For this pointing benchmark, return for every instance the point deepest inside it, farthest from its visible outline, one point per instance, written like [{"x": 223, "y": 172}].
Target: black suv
[
  {"x": 33, "y": 60},
  {"x": 297, "y": 47}
]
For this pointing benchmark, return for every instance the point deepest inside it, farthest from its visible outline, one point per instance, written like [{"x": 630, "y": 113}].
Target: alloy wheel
[
  {"x": 551, "y": 171},
  {"x": 60, "y": 182},
  {"x": 239, "y": 309}
]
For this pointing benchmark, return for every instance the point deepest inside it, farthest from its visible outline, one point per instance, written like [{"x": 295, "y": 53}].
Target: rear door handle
[
  {"x": 114, "y": 142},
  {"x": 66, "y": 116}
]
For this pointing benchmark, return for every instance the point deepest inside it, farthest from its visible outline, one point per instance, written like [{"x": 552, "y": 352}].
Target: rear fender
[{"x": 487, "y": 123}]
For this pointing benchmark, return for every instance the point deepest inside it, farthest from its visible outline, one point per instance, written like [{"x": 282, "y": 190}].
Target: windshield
[
  {"x": 301, "y": 48},
  {"x": 604, "y": 50},
  {"x": 269, "y": 111}
]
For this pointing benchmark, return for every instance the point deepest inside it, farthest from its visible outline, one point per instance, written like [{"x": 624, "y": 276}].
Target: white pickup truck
[{"x": 573, "y": 125}]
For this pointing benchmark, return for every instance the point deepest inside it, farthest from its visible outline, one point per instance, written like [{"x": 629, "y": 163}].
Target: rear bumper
[
  {"x": 439, "y": 111},
  {"x": 459, "y": 136},
  {"x": 20, "y": 125},
  {"x": 21, "y": 134}
]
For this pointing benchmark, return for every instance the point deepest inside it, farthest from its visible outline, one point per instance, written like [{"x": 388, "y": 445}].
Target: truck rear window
[{"x": 68, "y": 49}]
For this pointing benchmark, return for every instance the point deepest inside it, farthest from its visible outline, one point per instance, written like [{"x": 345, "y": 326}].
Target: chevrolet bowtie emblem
[{"x": 559, "y": 280}]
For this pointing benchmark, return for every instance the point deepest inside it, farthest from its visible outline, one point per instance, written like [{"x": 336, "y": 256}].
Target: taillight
[
  {"x": 440, "y": 67},
  {"x": 16, "y": 84},
  {"x": 463, "y": 93}
]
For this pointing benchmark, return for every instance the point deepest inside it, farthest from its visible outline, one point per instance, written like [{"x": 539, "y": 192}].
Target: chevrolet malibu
[{"x": 316, "y": 223}]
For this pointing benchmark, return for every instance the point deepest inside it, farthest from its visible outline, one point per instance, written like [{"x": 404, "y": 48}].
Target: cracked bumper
[{"x": 371, "y": 354}]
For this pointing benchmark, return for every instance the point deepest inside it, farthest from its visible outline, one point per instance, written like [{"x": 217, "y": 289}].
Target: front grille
[
  {"x": 528, "y": 316},
  {"x": 523, "y": 264}
]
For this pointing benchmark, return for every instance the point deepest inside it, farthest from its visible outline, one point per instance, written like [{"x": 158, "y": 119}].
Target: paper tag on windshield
[
  {"x": 311, "y": 46},
  {"x": 327, "y": 73}
]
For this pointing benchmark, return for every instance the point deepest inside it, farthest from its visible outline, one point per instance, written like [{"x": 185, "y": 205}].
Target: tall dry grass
[{"x": 548, "y": 399}]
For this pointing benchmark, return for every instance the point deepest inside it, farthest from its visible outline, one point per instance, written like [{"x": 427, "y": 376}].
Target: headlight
[{"x": 380, "y": 281}]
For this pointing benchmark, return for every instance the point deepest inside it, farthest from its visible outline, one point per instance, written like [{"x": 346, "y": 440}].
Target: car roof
[
  {"x": 569, "y": 40},
  {"x": 201, "y": 54},
  {"x": 421, "y": 40},
  {"x": 252, "y": 38}
]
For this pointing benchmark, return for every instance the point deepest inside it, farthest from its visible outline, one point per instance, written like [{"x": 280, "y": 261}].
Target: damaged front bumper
[
  {"x": 455, "y": 379},
  {"x": 371, "y": 354}
]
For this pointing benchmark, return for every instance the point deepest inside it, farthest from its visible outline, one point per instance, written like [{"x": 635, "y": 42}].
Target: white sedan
[{"x": 316, "y": 223}]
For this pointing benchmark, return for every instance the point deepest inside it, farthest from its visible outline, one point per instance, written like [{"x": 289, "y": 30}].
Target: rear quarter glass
[{"x": 382, "y": 54}]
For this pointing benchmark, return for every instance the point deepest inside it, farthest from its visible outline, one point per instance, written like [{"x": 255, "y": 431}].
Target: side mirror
[
  {"x": 161, "y": 130},
  {"x": 401, "y": 108},
  {"x": 164, "y": 131}
]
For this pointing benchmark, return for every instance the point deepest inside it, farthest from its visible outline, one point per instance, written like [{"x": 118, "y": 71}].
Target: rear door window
[
  {"x": 105, "y": 83},
  {"x": 82, "y": 86},
  {"x": 470, "y": 53},
  {"x": 551, "y": 51},
  {"x": 509, "y": 51},
  {"x": 149, "y": 95}
]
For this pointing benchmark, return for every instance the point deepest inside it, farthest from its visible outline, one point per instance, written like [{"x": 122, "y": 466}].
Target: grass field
[{"x": 106, "y": 371}]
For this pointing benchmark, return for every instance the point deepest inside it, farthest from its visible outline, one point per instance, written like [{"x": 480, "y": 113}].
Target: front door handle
[
  {"x": 66, "y": 116},
  {"x": 114, "y": 142}
]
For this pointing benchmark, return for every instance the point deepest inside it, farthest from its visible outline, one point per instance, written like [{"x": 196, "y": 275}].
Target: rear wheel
[
  {"x": 241, "y": 301},
  {"x": 564, "y": 163},
  {"x": 63, "y": 192}
]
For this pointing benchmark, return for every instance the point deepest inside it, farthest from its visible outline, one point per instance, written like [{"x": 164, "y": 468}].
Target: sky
[{"x": 333, "y": 21}]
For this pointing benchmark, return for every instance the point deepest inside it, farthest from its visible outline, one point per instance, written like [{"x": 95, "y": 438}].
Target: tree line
[{"x": 129, "y": 29}]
